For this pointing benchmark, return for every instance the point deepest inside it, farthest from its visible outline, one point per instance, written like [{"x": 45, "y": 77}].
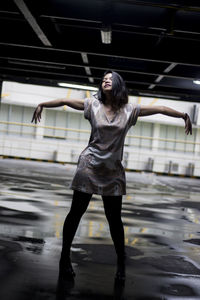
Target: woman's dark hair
[{"x": 119, "y": 91}]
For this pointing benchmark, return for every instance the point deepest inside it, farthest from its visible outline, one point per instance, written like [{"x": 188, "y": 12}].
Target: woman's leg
[
  {"x": 79, "y": 205},
  {"x": 113, "y": 206}
]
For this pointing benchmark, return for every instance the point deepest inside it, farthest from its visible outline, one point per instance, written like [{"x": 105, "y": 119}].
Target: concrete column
[
  {"x": 0, "y": 90},
  {"x": 156, "y": 134},
  {"x": 197, "y": 146}
]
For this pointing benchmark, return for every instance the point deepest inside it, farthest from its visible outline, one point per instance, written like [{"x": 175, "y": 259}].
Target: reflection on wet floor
[{"x": 162, "y": 235}]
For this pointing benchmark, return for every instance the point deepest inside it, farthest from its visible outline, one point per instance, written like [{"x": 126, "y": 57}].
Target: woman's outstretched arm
[
  {"x": 146, "y": 110},
  {"x": 74, "y": 103}
]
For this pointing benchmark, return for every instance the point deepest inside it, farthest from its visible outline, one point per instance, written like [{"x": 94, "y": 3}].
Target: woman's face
[{"x": 107, "y": 83}]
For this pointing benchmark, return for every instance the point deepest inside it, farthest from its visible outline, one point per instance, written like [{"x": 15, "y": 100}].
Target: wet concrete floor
[{"x": 162, "y": 234}]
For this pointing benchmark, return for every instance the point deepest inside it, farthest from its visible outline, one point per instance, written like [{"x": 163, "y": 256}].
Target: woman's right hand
[
  {"x": 188, "y": 124},
  {"x": 37, "y": 114}
]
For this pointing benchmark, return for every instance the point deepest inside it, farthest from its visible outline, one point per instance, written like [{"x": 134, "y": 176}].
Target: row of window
[{"x": 142, "y": 132}]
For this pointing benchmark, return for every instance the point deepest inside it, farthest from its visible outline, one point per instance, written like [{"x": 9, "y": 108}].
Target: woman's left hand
[{"x": 188, "y": 124}]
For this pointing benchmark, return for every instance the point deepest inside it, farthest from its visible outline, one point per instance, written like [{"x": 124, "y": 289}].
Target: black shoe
[
  {"x": 64, "y": 286},
  {"x": 120, "y": 275},
  {"x": 121, "y": 269},
  {"x": 66, "y": 271}
]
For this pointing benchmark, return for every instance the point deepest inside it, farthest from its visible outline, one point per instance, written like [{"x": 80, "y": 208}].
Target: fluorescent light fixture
[
  {"x": 159, "y": 78},
  {"x": 84, "y": 57},
  {"x": 88, "y": 71},
  {"x": 152, "y": 86},
  {"x": 77, "y": 86},
  {"x": 91, "y": 79},
  {"x": 197, "y": 81},
  {"x": 106, "y": 35},
  {"x": 171, "y": 66}
]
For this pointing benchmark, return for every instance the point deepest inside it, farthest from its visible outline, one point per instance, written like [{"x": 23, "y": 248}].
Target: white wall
[{"x": 19, "y": 101}]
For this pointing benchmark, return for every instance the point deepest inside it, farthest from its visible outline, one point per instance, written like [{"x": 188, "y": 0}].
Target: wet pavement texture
[{"x": 162, "y": 236}]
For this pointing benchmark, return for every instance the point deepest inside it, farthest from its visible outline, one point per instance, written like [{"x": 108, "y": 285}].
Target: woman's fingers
[
  {"x": 188, "y": 125},
  {"x": 33, "y": 119},
  {"x": 37, "y": 115}
]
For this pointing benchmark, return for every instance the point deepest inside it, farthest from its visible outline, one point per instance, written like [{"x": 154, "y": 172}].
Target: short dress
[{"x": 99, "y": 170}]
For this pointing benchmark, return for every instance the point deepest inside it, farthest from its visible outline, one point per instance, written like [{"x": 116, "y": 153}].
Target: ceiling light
[
  {"x": 197, "y": 81},
  {"x": 84, "y": 57},
  {"x": 88, "y": 71},
  {"x": 77, "y": 86},
  {"x": 91, "y": 79},
  {"x": 152, "y": 86},
  {"x": 159, "y": 78},
  {"x": 106, "y": 35},
  {"x": 171, "y": 66}
]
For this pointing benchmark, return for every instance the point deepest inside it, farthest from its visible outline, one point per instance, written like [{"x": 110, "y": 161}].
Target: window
[
  {"x": 176, "y": 134},
  {"x": 138, "y": 136},
  {"x": 4, "y": 113},
  {"x": 66, "y": 120}
]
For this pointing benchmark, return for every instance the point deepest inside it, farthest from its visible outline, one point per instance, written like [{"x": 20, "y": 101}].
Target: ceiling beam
[
  {"x": 128, "y": 28},
  {"x": 32, "y": 22},
  {"x": 55, "y": 65},
  {"x": 53, "y": 75},
  {"x": 161, "y": 76},
  {"x": 140, "y": 30},
  {"x": 98, "y": 52},
  {"x": 184, "y": 95},
  {"x": 175, "y": 6}
]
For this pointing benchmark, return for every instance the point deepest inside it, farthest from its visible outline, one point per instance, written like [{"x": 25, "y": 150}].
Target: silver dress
[{"x": 99, "y": 169}]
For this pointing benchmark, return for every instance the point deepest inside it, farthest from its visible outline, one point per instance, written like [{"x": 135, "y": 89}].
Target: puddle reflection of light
[
  {"x": 192, "y": 215},
  {"x": 22, "y": 206},
  {"x": 58, "y": 223},
  {"x": 101, "y": 230}
]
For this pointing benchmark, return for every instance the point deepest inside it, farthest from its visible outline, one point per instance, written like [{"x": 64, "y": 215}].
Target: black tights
[{"x": 112, "y": 207}]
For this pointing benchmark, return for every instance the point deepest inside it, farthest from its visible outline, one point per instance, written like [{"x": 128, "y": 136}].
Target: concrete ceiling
[{"x": 155, "y": 44}]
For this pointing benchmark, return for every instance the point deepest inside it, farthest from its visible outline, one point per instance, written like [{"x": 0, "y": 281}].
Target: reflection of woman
[{"x": 99, "y": 169}]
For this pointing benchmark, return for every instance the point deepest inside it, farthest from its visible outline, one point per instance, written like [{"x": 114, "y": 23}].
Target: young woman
[{"x": 99, "y": 169}]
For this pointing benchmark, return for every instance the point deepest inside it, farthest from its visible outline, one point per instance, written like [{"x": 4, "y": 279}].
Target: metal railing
[
  {"x": 80, "y": 131},
  {"x": 74, "y": 142}
]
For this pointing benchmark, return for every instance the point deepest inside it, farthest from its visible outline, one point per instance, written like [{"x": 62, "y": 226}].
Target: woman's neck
[{"x": 108, "y": 100}]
